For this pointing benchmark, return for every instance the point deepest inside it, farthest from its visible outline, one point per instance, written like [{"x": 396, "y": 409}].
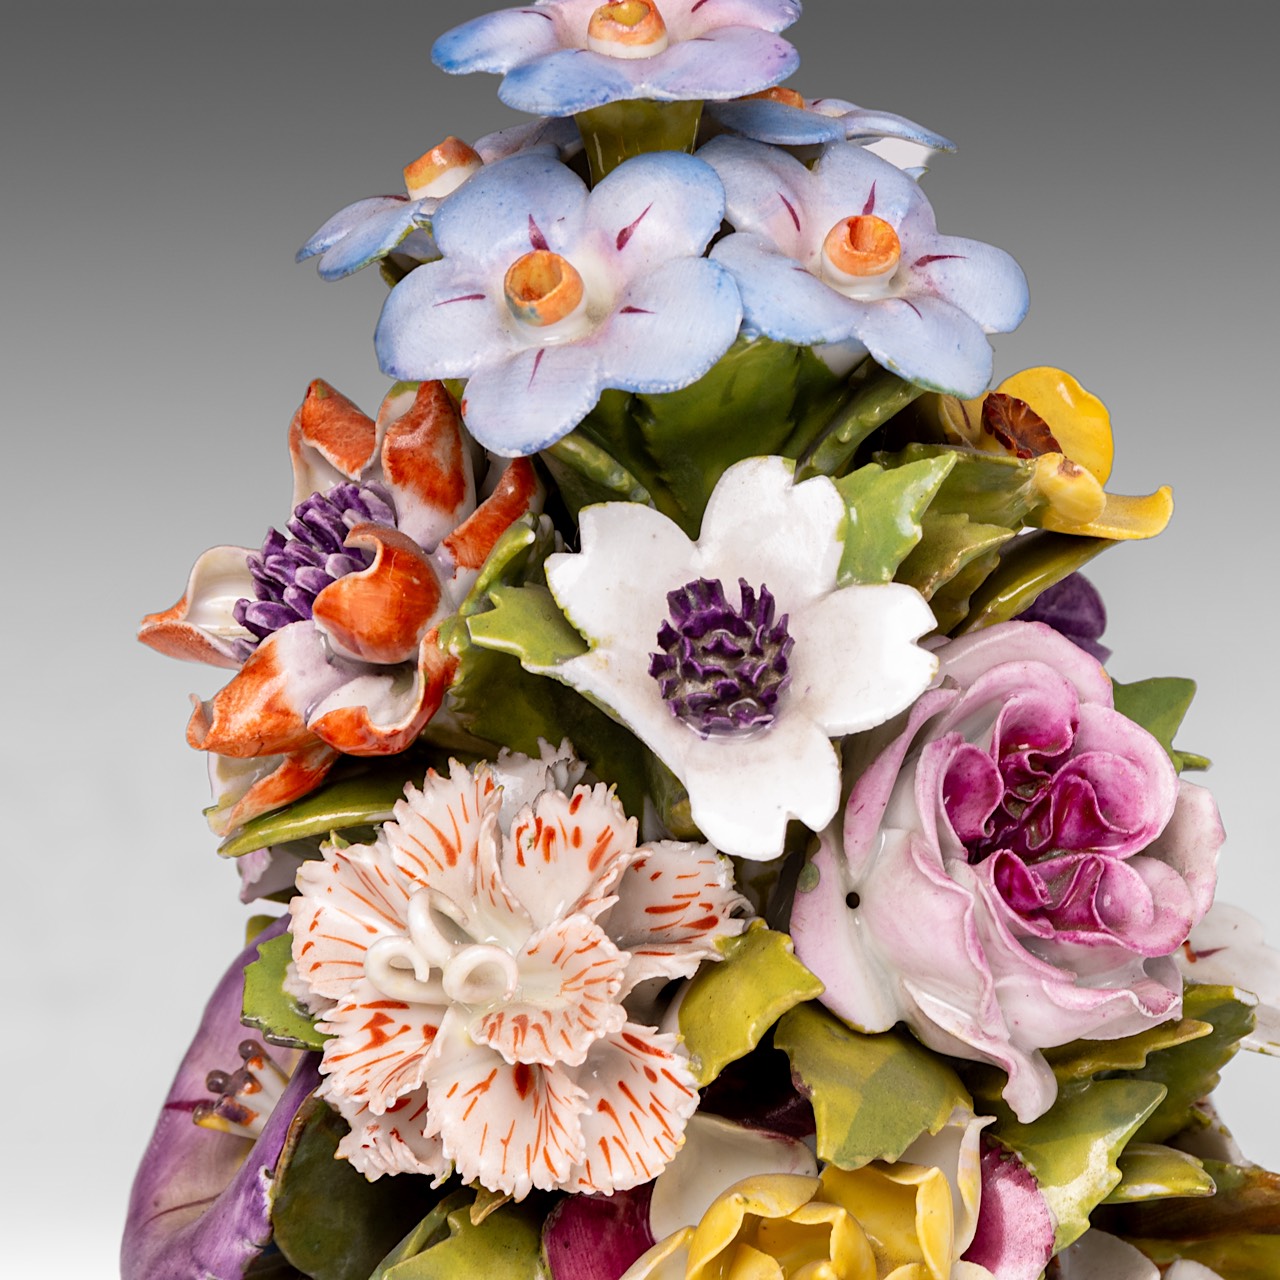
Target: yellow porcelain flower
[
  {"x": 901, "y": 1221},
  {"x": 1068, "y": 435}
]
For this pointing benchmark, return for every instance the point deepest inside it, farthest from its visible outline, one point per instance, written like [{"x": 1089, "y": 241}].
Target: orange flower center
[
  {"x": 627, "y": 29},
  {"x": 788, "y": 97},
  {"x": 863, "y": 246},
  {"x": 441, "y": 170},
  {"x": 542, "y": 288}
]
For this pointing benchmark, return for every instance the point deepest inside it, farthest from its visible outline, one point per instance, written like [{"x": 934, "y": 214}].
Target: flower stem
[{"x": 619, "y": 130}]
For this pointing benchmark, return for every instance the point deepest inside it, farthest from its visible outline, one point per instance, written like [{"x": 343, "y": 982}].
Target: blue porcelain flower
[
  {"x": 559, "y": 57},
  {"x": 546, "y": 293},
  {"x": 848, "y": 254},
  {"x": 784, "y": 118},
  {"x": 372, "y": 228}
]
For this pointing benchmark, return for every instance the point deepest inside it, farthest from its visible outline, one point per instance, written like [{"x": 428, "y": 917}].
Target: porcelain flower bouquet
[{"x": 671, "y": 738}]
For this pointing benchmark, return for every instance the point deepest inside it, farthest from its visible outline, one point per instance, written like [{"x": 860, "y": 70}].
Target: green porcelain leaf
[
  {"x": 505, "y": 1245},
  {"x": 954, "y": 557},
  {"x": 1159, "y": 706},
  {"x": 329, "y": 1221},
  {"x": 350, "y": 802},
  {"x": 1190, "y": 1071},
  {"x": 430, "y": 1231},
  {"x": 989, "y": 488},
  {"x": 1149, "y": 1171},
  {"x": 269, "y": 1007},
  {"x": 517, "y": 555},
  {"x": 729, "y": 1006},
  {"x": 527, "y": 623},
  {"x": 876, "y": 396},
  {"x": 1235, "y": 1232},
  {"x": 1084, "y": 1058},
  {"x": 884, "y": 513},
  {"x": 585, "y": 472},
  {"x": 499, "y": 692},
  {"x": 1029, "y": 564},
  {"x": 1072, "y": 1149},
  {"x": 872, "y": 1095}
]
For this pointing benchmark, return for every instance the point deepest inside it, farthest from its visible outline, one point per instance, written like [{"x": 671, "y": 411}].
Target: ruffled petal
[
  {"x": 675, "y": 902},
  {"x": 345, "y": 903},
  {"x": 642, "y": 1094},
  {"x": 345, "y": 221},
  {"x": 373, "y": 237},
  {"x": 511, "y": 1128},
  {"x": 570, "y": 978},
  {"x": 379, "y": 1048},
  {"x": 244, "y": 789},
  {"x": 393, "y": 1142},
  {"x": 564, "y": 854}
]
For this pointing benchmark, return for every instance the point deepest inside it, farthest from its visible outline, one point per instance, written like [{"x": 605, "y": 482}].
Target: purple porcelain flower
[
  {"x": 847, "y": 257},
  {"x": 547, "y": 293},
  {"x": 1016, "y": 867},
  {"x": 558, "y": 57},
  {"x": 201, "y": 1202}
]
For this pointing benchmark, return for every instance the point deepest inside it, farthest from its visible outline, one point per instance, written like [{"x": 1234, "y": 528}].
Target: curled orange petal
[
  {"x": 289, "y": 778},
  {"x": 518, "y": 492},
  {"x": 201, "y": 627},
  {"x": 348, "y": 724},
  {"x": 330, "y": 440},
  {"x": 380, "y": 613}
]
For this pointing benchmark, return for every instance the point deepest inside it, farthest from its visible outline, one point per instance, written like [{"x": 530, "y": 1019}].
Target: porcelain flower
[
  {"x": 372, "y": 228},
  {"x": 737, "y": 658},
  {"x": 1015, "y": 869},
  {"x": 1044, "y": 414},
  {"x": 480, "y": 953},
  {"x": 548, "y": 293},
  {"x": 558, "y": 57},
  {"x": 332, "y": 626},
  {"x": 200, "y": 1208},
  {"x": 1099, "y": 1256},
  {"x": 874, "y": 274},
  {"x": 784, "y": 118},
  {"x": 910, "y": 1219}
]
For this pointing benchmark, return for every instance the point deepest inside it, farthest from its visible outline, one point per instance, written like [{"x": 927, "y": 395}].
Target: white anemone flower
[{"x": 747, "y": 730}]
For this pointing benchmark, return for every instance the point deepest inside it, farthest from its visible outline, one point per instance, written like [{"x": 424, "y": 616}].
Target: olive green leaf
[
  {"x": 1189, "y": 1071},
  {"x": 876, "y": 396},
  {"x": 505, "y": 1244},
  {"x": 1159, "y": 705},
  {"x": 269, "y": 1007},
  {"x": 1149, "y": 1171},
  {"x": 1084, "y": 1058},
  {"x": 884, "y": 513},
  {"x": 430, "y": 1231},
  {"x": 954, "y": 557},
  {"x": 586, "y": 472},
  {"x": 1072, "y": 1149},
  {"x": 360, "y": 801},
  {"x": 989, "y": 488},
  {"x": 330, "y": 1221},
  {"x": 872, "y": 1095},
  {"x": 501, "y": 691},
  {"x": 1235, "y": 1232},
  {"x": 730, "y": 1005},
  {"x": 1029, "y": 564}
]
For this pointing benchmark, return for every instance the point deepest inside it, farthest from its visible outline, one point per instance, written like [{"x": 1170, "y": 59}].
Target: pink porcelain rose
[{"x": 1016, "y": 867}]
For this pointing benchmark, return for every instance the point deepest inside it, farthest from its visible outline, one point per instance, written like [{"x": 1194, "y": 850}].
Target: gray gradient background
[{"x": 162, "y": 162}]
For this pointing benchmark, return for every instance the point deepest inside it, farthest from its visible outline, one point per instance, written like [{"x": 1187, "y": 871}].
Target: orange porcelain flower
[{"x": 332, "y": 626}]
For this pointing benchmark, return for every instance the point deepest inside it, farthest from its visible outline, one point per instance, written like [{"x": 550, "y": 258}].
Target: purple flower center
[
  {"x": 289, "y": 572},
  {"x": 721, "y": 669}
]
